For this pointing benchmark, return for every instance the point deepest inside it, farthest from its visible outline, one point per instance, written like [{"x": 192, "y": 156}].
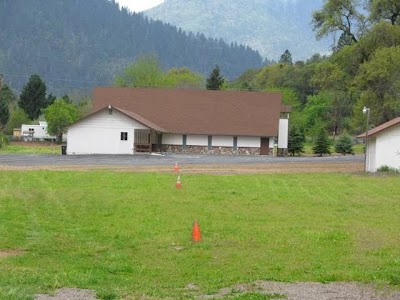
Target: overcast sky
[{"x": 139, "y": 5}]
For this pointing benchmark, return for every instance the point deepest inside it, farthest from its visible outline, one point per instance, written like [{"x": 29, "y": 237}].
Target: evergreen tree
[
  {"x": 4, "y": 113},
  {"x": 344, "y": 145},
  {"x": 33, "y": 97},
  {"x": 345, "y": 39},
  {"x": 8, "y": 95},
  {"x": 286, "y": 58},
  {"x": 215, "y": 81},
  {"x": 6, "y": 98},
  {"x": 296, "y": 141},
  {"x": 322, "y": 143}
]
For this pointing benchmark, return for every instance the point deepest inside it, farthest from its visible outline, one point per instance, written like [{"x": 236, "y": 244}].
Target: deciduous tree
[
  {"x": 144, "y": 72},
  {"x": 339, "y": 16},
  {"x": 17, "y": 118},
  {"x": 183, "y": 78},
  {"x": 385, "y": 10},
  {"x": 58, "y": 116},
  {"x": 379, "y": 83}
]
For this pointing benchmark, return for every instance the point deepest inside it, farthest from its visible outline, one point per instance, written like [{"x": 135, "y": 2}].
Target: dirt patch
[
  {"x": 69, "y": 294},
  {"x": 225, "y": 169},
  {"x": 7, "y": 253},
  {"x": 311, "y": 291}
]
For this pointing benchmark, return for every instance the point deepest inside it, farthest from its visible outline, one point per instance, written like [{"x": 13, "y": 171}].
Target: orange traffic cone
[
  {"x": 178, "y": 184},
  {"x": 176, "y": 168},
  {"x": 196, "y": 235}
]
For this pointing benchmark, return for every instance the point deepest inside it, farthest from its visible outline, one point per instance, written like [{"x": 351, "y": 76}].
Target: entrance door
[{"x": 264, "y": 149}]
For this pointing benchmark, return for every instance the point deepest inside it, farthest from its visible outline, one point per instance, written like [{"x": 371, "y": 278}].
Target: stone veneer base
[{"x": 214, "y": 150}]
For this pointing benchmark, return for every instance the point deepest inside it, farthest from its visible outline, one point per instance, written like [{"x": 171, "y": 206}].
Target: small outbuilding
[
  {"x": 132, "y": 120},
  {"x": 383, "y": 146}
]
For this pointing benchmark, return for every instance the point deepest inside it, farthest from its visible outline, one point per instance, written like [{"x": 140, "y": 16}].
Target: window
[
  {"x": 124, "y": 136},
  {"x": 31, "y": 129}
]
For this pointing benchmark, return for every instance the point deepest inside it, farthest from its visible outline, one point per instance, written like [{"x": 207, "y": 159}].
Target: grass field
[
  {"x": 127, "y": 234},
  {"x": 31, "y": 148}
]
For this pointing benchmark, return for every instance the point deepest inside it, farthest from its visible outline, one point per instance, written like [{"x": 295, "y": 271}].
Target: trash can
[{"x": 63, "y": 149}]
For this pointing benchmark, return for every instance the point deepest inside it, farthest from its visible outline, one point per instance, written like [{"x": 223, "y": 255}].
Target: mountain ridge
[
  {"x": 79, "y": 44},
  {"x": 268, "y": 26}
]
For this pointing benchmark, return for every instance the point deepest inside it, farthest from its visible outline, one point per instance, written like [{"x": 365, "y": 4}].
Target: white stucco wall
[
  {"x": 248, "y": 142},
  {"x": 283, "y": 135},
  {"x": 222, "y": 141},
  {"x": 197, "y": 140},
  {"x": 371, "y": 155},
  {"x": 101, "y": 134},
  {"x": 172, "y": 139},
  {"x": 387, "y": 149}
]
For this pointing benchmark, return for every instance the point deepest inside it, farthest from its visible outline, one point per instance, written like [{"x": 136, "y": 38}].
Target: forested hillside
[
  {"x": 364, "y": 71},
  {"x": 76, "y": 44},
  {"x": 270, "y": 26}
]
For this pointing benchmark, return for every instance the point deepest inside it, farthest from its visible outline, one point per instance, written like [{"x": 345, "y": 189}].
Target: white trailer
[{"x": 36, "y": 132}]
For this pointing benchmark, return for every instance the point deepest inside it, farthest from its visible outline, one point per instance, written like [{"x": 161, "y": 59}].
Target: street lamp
[{"x": 366, "y": 111}]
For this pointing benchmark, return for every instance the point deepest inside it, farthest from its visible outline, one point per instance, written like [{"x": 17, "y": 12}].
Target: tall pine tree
[
  {"x": 296, "y": 141},
  {"x": 4, "y": 112},
  {"x": 4, "y": 102},
  {"x": 322, "y": 143},
  {"x": 33, "y": 97},
  {"x": 286, "y": 58},
  {"x": 216, "y": 80}
]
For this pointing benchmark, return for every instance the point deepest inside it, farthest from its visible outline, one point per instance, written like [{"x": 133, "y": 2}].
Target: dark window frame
[{"x": 124, "y": 136}]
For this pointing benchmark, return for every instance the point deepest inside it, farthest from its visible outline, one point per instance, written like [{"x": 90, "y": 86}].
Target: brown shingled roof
[
  {"x": 186, "y": 111},
  {"x": 381, "y": 127}
]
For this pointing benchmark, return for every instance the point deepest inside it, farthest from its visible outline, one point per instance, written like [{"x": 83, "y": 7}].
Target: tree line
[
  {"x": 329, "y": 92},
  {"x": 77, "y": 44},
  {"x": 34, "y": 104}
]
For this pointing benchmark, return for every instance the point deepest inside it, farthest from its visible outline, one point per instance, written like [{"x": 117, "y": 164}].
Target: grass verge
[
  {"x": 30, "y": 148},
  {"x": 126, "y": 234}
]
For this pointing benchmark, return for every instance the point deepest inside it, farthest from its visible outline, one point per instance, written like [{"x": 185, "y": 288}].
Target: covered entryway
[
  {"x": 147, "y": 140},
  {"x": 264, "y": 148},
  {"x": 142, "y": 141}
]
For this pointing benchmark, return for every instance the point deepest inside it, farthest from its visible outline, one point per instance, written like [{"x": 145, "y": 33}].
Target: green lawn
[
  {"x": 31, "y": 148},
  {"x": 126, "y": 234},
  {"x": 357, "y": 148}
]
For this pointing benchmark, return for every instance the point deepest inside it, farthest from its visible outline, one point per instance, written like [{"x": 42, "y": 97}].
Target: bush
[
  {"x": 3, "y": 140},
  {"x": 388, "y": 169},
  {"x": 344, "y": 145}
]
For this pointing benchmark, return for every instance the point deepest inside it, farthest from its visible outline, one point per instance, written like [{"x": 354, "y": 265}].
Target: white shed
[
  {"x": 108, "y": 131},
  {"x": 383, "y": 146}
]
